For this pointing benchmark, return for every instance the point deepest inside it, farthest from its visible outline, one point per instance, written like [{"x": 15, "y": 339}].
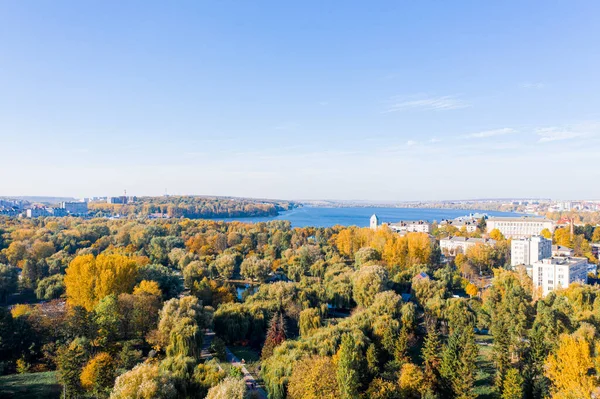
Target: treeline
[
  {"x": 193, "y": 207},
  {"x": 359, "y": 313}
]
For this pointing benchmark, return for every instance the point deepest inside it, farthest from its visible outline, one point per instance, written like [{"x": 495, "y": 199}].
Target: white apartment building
[
  {"x": 455, "y": 245},
  {"x": 559, "y": 272},
  {"x": 519, "y": 227},
  {"x": 527, "y": 251},
  {"x": 416, "y": 226}
]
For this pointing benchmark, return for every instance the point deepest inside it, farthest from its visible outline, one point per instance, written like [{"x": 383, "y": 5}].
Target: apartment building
[
  {"x": 559, "y": 272},
  {"x": 526, "y": 251}
]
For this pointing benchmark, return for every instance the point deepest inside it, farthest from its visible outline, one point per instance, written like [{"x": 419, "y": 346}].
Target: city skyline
[{"x": 386, "y": 102}]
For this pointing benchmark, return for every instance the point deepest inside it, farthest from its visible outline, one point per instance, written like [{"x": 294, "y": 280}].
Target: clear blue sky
[{"x": 399, "y": 100}]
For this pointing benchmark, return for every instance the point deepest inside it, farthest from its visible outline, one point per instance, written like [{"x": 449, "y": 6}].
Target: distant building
[
  {"x": 374, "y": 222},
  {"x": 519, "y": 227},
  {"x": 75, "y": 208},
  {"x": 455, "y": 245},
  {"x": 526, "y": 251},
  {"x": 37, "y": 212},
  {"x": 559, "y": 250},
  {"x": 123, "y": 199},
  {"x": 559, "y": 272},
  {"x": 419, "y": 226},
  {"x": 470, "y": 223}
]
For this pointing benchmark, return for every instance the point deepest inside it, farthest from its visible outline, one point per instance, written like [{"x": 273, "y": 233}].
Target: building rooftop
[
  {"x": 563, "y": 260},
  {"x": 470, "y": 240},
  {"x": 518, "y": 219}
]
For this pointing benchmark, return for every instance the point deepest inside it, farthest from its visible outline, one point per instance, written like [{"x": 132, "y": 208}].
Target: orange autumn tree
[{"x": 89, "y": 279}]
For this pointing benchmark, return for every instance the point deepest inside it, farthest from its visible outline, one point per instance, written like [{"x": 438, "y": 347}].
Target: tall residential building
[
  {"x": 374, "y": 222},
  {"x": 559, "y": 272},
  {"x": 519, "y": 227},
  {"x": 527, "y": 251}
]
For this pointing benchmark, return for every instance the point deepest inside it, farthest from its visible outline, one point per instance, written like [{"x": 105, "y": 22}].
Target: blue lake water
[{"x": 359, "y": 216}]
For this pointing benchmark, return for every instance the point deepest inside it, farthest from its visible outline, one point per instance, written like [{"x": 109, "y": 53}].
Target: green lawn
[
  {"x": 484, "y": 384},
  {"x": 245, "y": 352},
  {"x": 30, "y": 386}
]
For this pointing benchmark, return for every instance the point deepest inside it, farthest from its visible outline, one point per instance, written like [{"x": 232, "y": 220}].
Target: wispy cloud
[
  {"x": 411, "y": 143},
  {"x": 443, "y": 103},
  {"x": 549, "y": 134},
  {"x": 489, "y": 133},
  {"x": 533, "y": 85},
  {"x": 434, "y": 140}
]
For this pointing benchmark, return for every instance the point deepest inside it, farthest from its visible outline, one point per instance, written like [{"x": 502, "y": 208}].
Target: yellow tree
[
  {"x": 314, "y": 378},
  {"x": 89, "y": 279},
  {"x": 569, "y": 369},
  {"x": 496, "y": 235}
]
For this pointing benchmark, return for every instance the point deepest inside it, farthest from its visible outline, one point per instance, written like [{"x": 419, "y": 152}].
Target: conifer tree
[
  {"x": 512, "y": 385},
  {"x": 275, "y": 335}
]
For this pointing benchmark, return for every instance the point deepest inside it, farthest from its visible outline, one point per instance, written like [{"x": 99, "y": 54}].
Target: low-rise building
[
  {"x": 414, "y": 226},
  {"x": 559, "y": 250},
  {"x": 558, "y": 272},
  {"x": 519, "y": 227},
  {"x": 455, "y": 245},
  {"x": 526, "y": 251},
  {"x": 470, "y": 224}
]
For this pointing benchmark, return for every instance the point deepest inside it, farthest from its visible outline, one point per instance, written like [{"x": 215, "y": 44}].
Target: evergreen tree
[
  {"x": 70, "y": 361},
  {"x": 459, "y": 364},
  {"x": 275, "y": 335},
  {"x": 431, "y": 359},
  {"x": 348, "y": 365},
  {"x": 512, "y": 384},
  {"x": 401, "y": 347}
]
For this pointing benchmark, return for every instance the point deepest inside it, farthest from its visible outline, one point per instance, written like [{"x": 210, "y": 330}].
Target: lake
[{"x": 359, "y": 216}]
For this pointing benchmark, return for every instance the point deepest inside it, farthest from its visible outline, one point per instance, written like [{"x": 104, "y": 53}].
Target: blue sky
[{"x": 331, "y": 100}]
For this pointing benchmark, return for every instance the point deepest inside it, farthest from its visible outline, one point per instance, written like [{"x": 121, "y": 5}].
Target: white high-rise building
[
  {"x": 558, "y": 272},
  {"x": 519, "y": 227},
  {"x": 374, "y": 222},
  {"x": 527, "y": 251}
]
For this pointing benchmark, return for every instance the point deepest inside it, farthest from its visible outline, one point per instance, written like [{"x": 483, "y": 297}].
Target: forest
[
  {"x": 192, "y": 207},
  {"x": 156, "y": 309}
]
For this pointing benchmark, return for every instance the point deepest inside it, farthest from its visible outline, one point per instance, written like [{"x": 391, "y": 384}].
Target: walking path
[{"x": 251, "y": 382}]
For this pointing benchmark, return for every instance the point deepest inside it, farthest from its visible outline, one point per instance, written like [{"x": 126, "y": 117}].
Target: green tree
[
  {"x": 310, "y": 320},
  {"x": 368, "y": 282},
  {"x": 348, "y": 363},
  {"x": 50, "y": 287},
  {"x": 225, "y": 265},
  {"x": 512, "y": 385},
  {"x": 70, "y": 361},
  {"x": 458, "y": 364},
  {"x": 430, "y": 353},
  {"x": 8, "y": 281}
]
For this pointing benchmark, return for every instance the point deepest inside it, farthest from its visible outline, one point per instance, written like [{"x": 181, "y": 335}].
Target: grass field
[
  {"x": 484, "y": 384},
  {"x": 246, "y": 353},
  {"x": 30, "y": 386}
]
